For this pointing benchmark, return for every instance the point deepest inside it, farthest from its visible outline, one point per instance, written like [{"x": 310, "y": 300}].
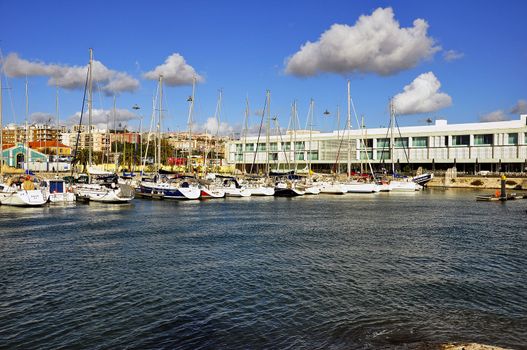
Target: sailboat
[
  {"x": 22, "y": 190},
  {"x": 398, "y": 184},
  {"x": 105, "y": 189},
  {"x": 162, "y": 186}
]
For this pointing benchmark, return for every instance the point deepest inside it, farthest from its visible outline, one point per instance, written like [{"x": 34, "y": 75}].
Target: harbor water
[{"x": 322, "y": 272}]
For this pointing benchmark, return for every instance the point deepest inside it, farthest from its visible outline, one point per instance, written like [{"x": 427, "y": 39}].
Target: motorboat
[{"x": 22, "y": 191}]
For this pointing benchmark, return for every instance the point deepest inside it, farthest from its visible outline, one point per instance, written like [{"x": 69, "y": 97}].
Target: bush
[{"x": 476, "y": 183}]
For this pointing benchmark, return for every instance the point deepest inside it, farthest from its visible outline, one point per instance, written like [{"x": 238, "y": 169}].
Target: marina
[
  {"x": 263, "y": 175},
  {"x": 352, "y": 271}
]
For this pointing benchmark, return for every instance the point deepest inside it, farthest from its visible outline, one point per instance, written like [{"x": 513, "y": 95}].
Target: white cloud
[
  {"x": 211, "y": 126},
  {"x": 41, "y": 118},
  {"x": 452, "y": 55},
  {"x": 70, "y": 77},
  {"x": 175, "y": 71},
  {"x": 374, "y": 44},
  {"x": 422, "y": 96},
  {"x": 101, "y": 118},
  {"x": 495, "y": 116},
  {"x": 519, "y": 108}
]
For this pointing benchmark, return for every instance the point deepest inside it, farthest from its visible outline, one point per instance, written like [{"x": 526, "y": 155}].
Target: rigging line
[
  {"x": 152, "y": 122},
  {"x": 8, "y": 87},
  {"x": 362, "y": 139},
  {"x": 404, "y": 148},
  {"x": 259, "y": 134},
  {"x": 75, "y": 156},
  {"x": 281, "y": 141}
]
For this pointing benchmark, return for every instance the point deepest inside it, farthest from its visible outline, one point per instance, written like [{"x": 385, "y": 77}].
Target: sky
[{"x": 464, "y": 61}]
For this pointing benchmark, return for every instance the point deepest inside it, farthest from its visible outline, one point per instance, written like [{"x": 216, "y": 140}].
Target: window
[
  {"x": 273, "y": 146},
  {"x": 383, "y": 155},
  {"x": 368, "y": 143},
  {"x": 249, "y": 147},
  {"x": 299, "y": 155},
  {"x": 366, "y": 155},
  {"x": 383, "y": 143},
  {"x": 273, "y": 156},
  {"x": 261, "y": 147},
  {"x": 446, "y": 141},
  {"x": 513, "y": 139},
  {"x": 239, "y": 148},
  {"x": 401, "y": 142},
  {"x": 239, "y": 157},
  {"x": 312, "y": 155},
  {"x": 286, "y": 146},
  {"x": 460, "y": 140},
  {"x": 300, "y": 145},
  {"x": 483, "y": 139},
  {"x": 420, "y": 141}
]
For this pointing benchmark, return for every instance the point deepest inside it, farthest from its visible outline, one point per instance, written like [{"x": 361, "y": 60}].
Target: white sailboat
[
  {"x": 104, "y": 191},
  {"x": 20, "y": 191}
]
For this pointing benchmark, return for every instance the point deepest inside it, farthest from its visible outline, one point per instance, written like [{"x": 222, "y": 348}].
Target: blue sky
[{"x": 243, "y": 47}]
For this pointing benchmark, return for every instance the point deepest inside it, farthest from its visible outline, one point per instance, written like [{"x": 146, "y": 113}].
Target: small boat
[
  {"x": 355, "y": 186},
  {"x": 331, "y": 188},
  {"x": 288, "y": 189},
  {"x": 404, "y": 186},
  {"x": 209, "y": 192},
  {"x": 23, "y": 192},
  {"x": 423, "y": 179},
  {"x": 231, "y": 186},
  {"x": 169, "y": 189},
  {"x": 59, "y": 191}
]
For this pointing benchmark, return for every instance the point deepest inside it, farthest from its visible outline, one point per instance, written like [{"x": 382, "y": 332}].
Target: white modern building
[{"x": 493, "y": 146}]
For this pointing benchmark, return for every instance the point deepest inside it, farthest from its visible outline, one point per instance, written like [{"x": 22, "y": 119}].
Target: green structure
[{"x": 15, "y": 156}]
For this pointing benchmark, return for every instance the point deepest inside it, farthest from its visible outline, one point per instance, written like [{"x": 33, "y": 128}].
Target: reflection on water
[{"x": 355, "y": 271}]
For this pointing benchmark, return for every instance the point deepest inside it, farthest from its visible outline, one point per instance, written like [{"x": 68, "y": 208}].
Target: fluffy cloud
[
  {"x": 519, "y": 108},
  {"x": 41, "y": 118},
  {"x": 211, "y": 126},
  {"x": 422, "y": 96},
  {"x": 375, "y": 44},
  {"x": 101, "y": 118},
  {"x": 452, "y": 55},
  {"x": 496, "y": 116},
  {"x": 175, "y": 71},
  {"x": 70, "y": 77}
]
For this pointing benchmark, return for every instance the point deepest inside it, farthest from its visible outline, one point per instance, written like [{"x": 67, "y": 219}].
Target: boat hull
[{"x": 23, "y": 198}]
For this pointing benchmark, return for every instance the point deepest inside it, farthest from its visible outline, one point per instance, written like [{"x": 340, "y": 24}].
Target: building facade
[{"x": 492, "y": 146}]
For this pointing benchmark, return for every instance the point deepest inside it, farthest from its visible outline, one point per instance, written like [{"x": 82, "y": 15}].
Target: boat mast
[
  {"x": 268, "y": 127},
  {"x": 1, "y": 134},
  {"x": 246, "y": 127},
  {"x": 158, "y": 150},
  {"x": 190, "y": 110},
  {"x": 90, "y": 102},
  {"x": 392, "y": 136},
  {"x": 348, "y": 127},
  {"x": 311, "y": 111},
  {"x": 27, "y": 130},
  {"x": 115, "y": 134},
  {"x": 295, "y": 126},
  {"x": 57, "y": 112}
]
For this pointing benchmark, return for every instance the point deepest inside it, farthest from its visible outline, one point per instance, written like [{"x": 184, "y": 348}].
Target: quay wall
[{"x": 482, "y": 182}]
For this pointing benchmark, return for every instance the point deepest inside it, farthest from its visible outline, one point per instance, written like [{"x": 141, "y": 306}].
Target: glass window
[
  {"x": 366, "y": 155},
  {"x": 261, "y": 147},
  {"x": 368, "y": 143},
  {"x": 513, "y": 139},
  {"x": 273, "y": 156},
  {"x": 239, "y": 157},
  {"x": 286, "y": 146},
  {"x": 273, "y": 146},
  {"x": 383, "y": 143},
  {"x": 249, "y": 147},
  {"x": 420, "y": 141},
  {"x": 401, "y": 142},
  {"x": 299, "y": 155},
  {"x": 383, "y": 155},
  {"x": 483, "y": 139},
  {"x": 239, "y": 147},
  {"x": 460, "y": 140},
  {"x": 300, "y": 145},
  {"x": 312, "y": 155}
]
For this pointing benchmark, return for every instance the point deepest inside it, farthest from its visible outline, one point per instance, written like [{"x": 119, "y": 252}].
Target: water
[{"x": 322, "y": 272}]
